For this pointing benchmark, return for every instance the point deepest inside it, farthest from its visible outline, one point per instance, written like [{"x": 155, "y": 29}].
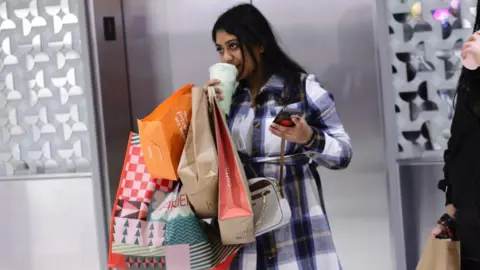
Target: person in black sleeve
[{"x": 461, "y": 182}]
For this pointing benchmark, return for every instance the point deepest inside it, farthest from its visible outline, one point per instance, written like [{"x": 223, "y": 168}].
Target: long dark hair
[{"x": 252, "y": 30}]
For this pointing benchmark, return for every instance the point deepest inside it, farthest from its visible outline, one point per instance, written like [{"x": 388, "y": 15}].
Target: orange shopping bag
[
  {"x": 235, "y": 214},
  {"x": 164, "y": 132}
]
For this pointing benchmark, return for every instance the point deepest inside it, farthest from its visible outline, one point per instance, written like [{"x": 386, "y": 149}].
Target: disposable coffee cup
[{"x": 227, "y": 75}]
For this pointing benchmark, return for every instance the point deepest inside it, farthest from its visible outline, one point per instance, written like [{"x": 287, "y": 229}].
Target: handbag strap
[
  {"x": 302, "y": 90},
  {"x": 282, "y": 165}
]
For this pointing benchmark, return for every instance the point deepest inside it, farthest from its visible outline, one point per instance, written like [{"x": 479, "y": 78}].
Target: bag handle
[{"x": 210, "y": 92}]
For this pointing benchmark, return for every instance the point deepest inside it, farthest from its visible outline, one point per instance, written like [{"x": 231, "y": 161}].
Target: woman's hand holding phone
[{"x": 300, "y": 133}]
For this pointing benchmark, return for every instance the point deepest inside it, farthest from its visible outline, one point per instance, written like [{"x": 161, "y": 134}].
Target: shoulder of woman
[
  {"x": 312, "y": 79},
  {"x": 313, "y": 87}
]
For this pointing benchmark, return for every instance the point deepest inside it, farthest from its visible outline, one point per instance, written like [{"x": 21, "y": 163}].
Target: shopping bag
[
  {"x": 163, "y": 134},
  {"x": 134, "y": 194},
  {"x": 198, "y": 166},
  {"x": 440, "y": 254},
  {"x": 235, "y": 214},
  {"x": 186, "y": 242}
]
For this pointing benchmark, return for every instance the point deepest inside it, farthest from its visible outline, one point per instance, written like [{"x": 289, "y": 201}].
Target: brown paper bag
[
  {"x": 440, "y": 254},
  {"x": 198, "y": 167}
]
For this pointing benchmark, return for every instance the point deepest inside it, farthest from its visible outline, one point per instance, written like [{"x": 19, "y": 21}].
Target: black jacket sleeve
[{"x": 462, "y": 119}]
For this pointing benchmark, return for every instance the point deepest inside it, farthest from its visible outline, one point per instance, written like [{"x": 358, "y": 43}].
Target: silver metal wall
[{"x": 422, "y": 206}]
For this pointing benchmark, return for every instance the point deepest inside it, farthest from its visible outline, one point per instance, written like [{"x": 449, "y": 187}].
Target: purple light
[{"x": 441, "y": 14}]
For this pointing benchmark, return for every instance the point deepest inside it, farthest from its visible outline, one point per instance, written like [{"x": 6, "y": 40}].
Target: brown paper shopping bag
[
  {"x": 198, "y": 168},
  {"x": 235, "y": 214},
  {"x": 163, "y": 134},
  {"x": 440, "y": 254}
]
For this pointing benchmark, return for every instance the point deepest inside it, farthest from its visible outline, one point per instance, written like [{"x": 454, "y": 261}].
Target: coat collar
[{"x": 275, "y": 84}]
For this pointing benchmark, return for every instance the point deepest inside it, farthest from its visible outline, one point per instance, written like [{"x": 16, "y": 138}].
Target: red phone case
[{"x": 284, "y": 119}]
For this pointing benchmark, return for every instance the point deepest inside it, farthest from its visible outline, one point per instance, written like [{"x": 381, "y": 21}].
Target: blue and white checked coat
[{"x": 306, "y": 243}]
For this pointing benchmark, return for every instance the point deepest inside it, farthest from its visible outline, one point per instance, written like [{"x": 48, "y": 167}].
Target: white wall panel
[{"x": 49, "y": 225}]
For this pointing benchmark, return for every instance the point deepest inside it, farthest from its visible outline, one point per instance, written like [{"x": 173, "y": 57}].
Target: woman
[
  {"x": 268, "y": 80},
  {"x": 462, "y": 163}
]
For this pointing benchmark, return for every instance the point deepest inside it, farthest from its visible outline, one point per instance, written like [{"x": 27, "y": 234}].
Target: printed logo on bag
[
  {"x": 161, "y": 206},
  {"x": 244, "y": 234},
  {"x": 180, "y": 201},
  {"x": 181, "y": 119}
]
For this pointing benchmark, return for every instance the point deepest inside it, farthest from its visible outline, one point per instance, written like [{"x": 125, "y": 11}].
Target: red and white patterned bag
[{"x": 133, "y": 199}]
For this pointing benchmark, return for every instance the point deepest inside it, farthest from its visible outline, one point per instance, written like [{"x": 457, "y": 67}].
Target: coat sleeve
[{"x": 331, "y": 143}]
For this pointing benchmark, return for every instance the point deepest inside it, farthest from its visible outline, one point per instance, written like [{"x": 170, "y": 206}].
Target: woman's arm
[{"x": 331, "y": 143}]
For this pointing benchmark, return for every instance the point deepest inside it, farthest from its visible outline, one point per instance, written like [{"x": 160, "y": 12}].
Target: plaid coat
[{"x": 307, "y": 242}]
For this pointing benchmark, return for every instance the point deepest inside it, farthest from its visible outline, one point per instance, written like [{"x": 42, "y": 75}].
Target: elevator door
[{"x": 168, "y": 45}]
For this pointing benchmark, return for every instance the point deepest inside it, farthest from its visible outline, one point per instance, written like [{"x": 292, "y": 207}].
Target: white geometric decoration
[
  {"x": 43, "y": 118},
  {"x": 425, "y": 39}
]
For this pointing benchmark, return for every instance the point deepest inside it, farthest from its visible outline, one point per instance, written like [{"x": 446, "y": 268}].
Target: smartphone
[{"x": 284, "y": 117}]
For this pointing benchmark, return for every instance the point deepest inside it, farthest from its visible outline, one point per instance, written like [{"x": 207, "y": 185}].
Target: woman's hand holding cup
[{"x": 218, "y": 91}]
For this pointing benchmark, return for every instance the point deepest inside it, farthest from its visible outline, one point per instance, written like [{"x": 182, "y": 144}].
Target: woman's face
[{"x": 230, "y": 52}]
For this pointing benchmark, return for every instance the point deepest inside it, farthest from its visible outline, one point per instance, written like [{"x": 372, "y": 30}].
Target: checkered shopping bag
[{"x": 135, "y": 192}]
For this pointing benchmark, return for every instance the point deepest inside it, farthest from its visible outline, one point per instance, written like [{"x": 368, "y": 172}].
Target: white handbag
[{"x": 270, "y": 208}]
